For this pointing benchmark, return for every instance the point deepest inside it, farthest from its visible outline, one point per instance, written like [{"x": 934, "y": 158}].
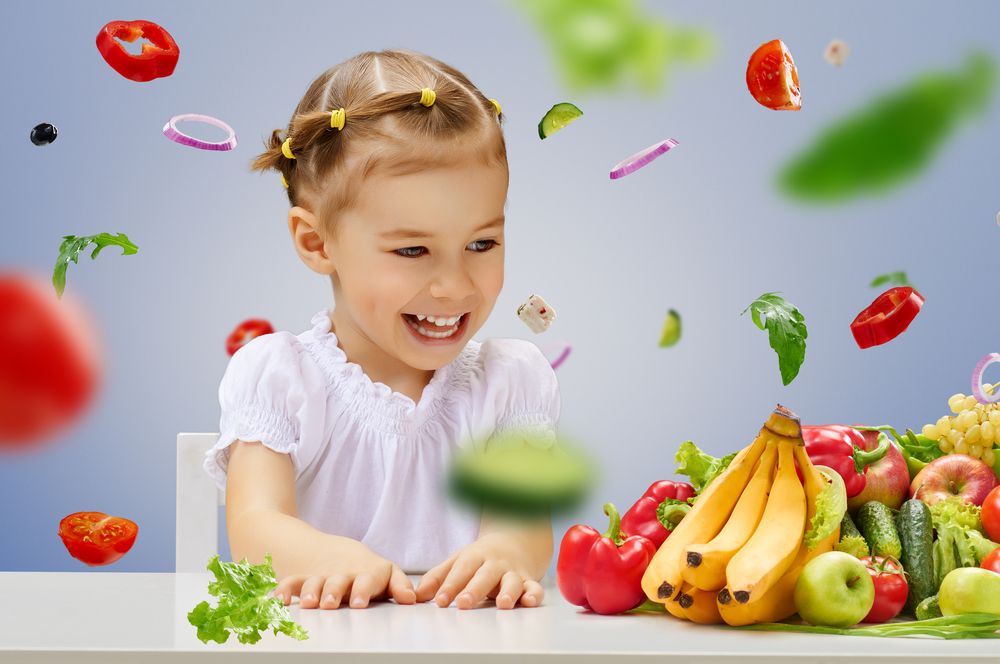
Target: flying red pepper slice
[
  {"x": 603, "y": 572},
  {"x": 843, "y": 448},
  {"x": 246, "y": 332},
  {"x": 157, "y": 60},
  {"x": 642, "y": 518},
  {"x": 887, "y": 317}
]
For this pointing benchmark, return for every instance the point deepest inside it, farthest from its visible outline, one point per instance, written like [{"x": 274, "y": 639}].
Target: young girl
[{"x": 335, "y": 442}]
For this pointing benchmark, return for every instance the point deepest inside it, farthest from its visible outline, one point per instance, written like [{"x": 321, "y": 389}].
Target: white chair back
[{"x": 198, "y": 501}]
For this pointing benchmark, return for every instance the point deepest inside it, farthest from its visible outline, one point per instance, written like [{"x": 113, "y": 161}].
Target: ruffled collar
[{"x": 356, "y": 385}]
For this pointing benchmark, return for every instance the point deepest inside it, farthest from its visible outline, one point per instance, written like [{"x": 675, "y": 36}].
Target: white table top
[{"x": 120, "y": 617}]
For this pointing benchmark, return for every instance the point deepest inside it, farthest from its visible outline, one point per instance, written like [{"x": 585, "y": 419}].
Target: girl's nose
[{"x": 452, "y": 283}]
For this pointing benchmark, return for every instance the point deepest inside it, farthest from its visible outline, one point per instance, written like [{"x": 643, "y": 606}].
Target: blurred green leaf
[{"x": 892, "y": 278}]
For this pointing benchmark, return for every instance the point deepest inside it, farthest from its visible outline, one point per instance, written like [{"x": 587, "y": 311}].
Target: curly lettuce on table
[{"x": 960, "y": 541}]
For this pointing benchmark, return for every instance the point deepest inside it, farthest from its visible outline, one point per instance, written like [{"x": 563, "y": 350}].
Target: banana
[
  {"x": 705, "y": 567},
  {"x": 673, "y": 606},
  {"x": 699, "y": 605},
  {"x": 664, "y": 575},
  {"x": 770, "y": 551}
]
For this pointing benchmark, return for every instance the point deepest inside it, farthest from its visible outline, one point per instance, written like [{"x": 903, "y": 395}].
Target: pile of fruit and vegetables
[{"x": 827, "y": 529}]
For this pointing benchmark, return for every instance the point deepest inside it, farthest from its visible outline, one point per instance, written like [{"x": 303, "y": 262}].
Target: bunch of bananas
[{"x": 737, "y": 554}]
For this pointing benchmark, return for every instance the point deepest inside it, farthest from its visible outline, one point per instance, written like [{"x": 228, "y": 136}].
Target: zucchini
[
  {"x": 876, "y": 524},
  {"x": 928, "y": 608},
  {"x": 851, "y": 540},
  {"x": 556, "y": 118},
  {"x": 916, "y": 535}
]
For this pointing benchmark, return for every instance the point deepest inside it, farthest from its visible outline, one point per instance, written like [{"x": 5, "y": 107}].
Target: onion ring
[
  {"x": 977, "y": 380},
  {"x": 170, "y": 131}
]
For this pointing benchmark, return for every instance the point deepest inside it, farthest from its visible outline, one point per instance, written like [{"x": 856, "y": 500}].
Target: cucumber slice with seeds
[{"x": 558, "y": 117}]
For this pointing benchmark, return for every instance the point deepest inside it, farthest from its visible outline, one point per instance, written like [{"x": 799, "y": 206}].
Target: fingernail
[
  {"x": 529, "y": 599},
  {"x": 442, "y": 598},
  {"x": 328, "y": 599},
  {"x": 357, "y": 602},
  {"x": 505, "y": 598},
  {"x": 308, "y": 597}
]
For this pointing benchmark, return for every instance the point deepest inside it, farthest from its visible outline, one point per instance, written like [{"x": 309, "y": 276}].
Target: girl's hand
[
  {"x": 360, "y": 576},
  {"x": 492, "y": 566}
]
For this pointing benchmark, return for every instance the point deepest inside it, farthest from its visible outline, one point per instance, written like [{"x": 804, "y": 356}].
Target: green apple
[
  {"x": 970, "y": 590},
  {"x": 834, "y": 589}
]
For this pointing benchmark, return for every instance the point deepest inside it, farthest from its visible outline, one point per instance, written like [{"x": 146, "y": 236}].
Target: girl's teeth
[
  {"x": 440, "y": 322},
  {"x": 428, "y": 333},
  {"x": 421, "y": 316}
]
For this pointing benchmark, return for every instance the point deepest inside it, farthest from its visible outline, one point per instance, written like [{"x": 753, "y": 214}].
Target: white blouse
[{"x": 370, "y": 464}]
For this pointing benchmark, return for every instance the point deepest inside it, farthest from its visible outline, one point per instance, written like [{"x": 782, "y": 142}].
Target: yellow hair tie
[
  {"x": 284, "y": 181},
  {"x": 427, "y": 97},
  {"x": 337, "y": 119},
  {"x": 496, "y": 105},
  {"x": 286, "y": 148}
]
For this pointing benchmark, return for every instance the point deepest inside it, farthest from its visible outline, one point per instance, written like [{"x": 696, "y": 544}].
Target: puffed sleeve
[
  {"x": 521, "y": 386},
  {"x": 272, "y": 392}
]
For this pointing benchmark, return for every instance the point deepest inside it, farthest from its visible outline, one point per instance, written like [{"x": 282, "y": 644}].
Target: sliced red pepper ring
[
  {"x": 887, "y": 317},
  {"x": 157, "y": 59}
]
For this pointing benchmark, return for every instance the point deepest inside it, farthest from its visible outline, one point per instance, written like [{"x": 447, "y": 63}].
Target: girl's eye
[
  {"x": 478, "y": 246},
  {"x": 489, "y": 245},
  {"x": 410, "y": 252}
]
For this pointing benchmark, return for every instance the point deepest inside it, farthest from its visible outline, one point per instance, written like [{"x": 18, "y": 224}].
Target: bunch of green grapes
[{"x": 973, "y": 429}]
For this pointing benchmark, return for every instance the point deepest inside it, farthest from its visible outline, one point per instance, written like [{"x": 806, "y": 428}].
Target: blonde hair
[{"x": 385, "y": 112}]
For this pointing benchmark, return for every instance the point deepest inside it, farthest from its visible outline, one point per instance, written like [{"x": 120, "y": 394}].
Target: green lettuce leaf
[
  {"x": 700, "y": 467},
  {"x": 246, "y": 606},
  {"x": 786, "y": 331},
  {"x": 831, "y": 506},
  {"x": 960, "y": 541}
]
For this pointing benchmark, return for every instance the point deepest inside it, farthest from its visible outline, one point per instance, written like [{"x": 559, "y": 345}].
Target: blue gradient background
[{"x": 703, "y": 230}]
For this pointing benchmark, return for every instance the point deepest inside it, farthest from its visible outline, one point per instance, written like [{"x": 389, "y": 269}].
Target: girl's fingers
[
  {"x": 309, "y": 593},
  {"x": 533, "y": 594},
  {"x": 400, "y": 588},
  {"x": 512, "y": 587},
  {"x": 461, "y": 571},
  {"x": 334, "y": 590},
  {"x": 364, "y": 587},
  {"x": 432, "y": 580},
  {"x": 289, "y": 587},
  {"x": 486, "y": 578}
]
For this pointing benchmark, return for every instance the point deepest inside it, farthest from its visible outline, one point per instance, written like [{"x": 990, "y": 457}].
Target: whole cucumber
[
  {"x": 876, "y": 524},
  {"x": 916, "y": 535}
]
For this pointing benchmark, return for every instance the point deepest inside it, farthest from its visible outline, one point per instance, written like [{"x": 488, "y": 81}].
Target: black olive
[{"x": 43, "y": 134}]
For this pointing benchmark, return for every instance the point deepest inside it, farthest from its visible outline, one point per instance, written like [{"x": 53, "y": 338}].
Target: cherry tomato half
[
  {"x": 991, "y": 516},
  {"x": 95, "y": 538},
  {"x": 772, "y": 77},
  {"x": 245, "y": 332},
  {"x": 891, "y": 588}
]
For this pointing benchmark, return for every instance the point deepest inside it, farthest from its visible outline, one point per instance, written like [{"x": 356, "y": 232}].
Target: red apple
[
  {"x": 954, "y": 475},
  {"x": 887, "y": 480}
]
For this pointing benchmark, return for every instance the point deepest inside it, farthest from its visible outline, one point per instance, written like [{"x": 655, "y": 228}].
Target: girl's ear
[{"x": 309, "y": 239}]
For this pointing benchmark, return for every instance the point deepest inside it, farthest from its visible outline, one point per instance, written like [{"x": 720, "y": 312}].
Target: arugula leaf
[
  {"x": 245, "y": 606},
  {"x": 72, "y": 245},
  {"x": 893, "y": 278},
  {"x": 786, "y": 331}
]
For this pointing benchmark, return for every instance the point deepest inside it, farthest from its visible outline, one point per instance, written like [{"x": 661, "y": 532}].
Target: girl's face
[{"x": 426, "y": 244}]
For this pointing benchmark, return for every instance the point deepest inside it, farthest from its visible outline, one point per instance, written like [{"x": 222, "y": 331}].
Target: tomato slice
[
  {"x": 95, "y": 538},
  {"x": 887, "y": 317},
  {"x": 772, "y": 77},
  {"x": 245, "y": 332}
]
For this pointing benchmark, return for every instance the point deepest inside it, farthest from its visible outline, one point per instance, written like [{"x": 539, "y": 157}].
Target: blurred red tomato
[
  {"x": 95, "y": 538},
  {"x": 245, "y": 332},
  {"x": 49, "y": 361}
]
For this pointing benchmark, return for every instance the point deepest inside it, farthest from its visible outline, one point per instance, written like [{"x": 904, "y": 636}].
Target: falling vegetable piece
[
  {"x": 879, "y": 146},
  {"x": 887, "y": 317},
  {"x": 837, "y": 52},
  {"x": 786, "y": 331},
  {"x": 977, "y": 380},
  {"x": 894, "y": 278},
  {"x": 171, "y": 131},
  {"x": 556, "y": 118},
  {"x": 772, "y": 77},
  {"x": 95, "y": 538},
  {"x": 640, "y": 159},
  {"x": 157, "y": 59},
  {"x": 72, "y": 245},
  {"x": 561, "y": 357},
  {"x": 43, "y": 134},
  {"x": 245, "y": 332},
  {"x": 536, "y": 313},
  {"x": 671, "y": 333}
]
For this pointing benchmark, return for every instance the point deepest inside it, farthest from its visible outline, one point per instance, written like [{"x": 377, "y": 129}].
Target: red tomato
[
  {"x": 992, "y": 561},
  {"x": 991, "y": 514},
  {"x": 49, "y": 361},
  {"x": 772, "y": 77},
  {"x": 891, "y": 588},
  {"x": 95, "y": 538},
  {"x": 245, "y": 332}
]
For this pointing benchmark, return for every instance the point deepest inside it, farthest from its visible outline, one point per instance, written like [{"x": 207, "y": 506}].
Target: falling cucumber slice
[
  {"x": 671, "y": 330},
  {"x": 558, "y": 117}
]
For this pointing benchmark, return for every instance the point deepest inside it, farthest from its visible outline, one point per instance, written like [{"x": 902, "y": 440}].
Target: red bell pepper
[
  {"x": 246, "y": 332},
  {"x": 887, "y": 317},
  {"x": 603, "y": 573},
  {"x": 643, "y": 518},
  {"x": 843, "y": 448},
  {"x": 158, "y": 58}
]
